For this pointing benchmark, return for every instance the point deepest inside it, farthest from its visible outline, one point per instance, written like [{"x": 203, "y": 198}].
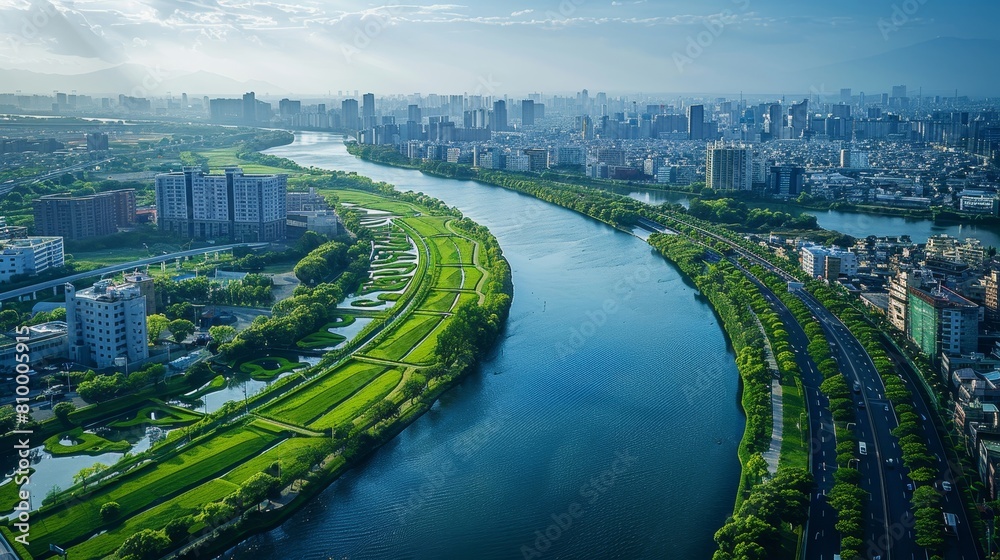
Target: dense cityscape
[{"x": 554, "y": 314}]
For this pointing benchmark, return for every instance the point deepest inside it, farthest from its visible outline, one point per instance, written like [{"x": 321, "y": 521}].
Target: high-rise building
[
  {"x": 368, "y": 111},
  {"x": 498, "y": 121},
  {"x": 696, "y": 122},
  {"x": 786, "y": 181},
  {"x": 774, "y": 120},
  {"x": 97, "y": 142},
  {"x": 899, "y": 91},
  {"x": 728, "y": 168},
  {"x": 349, "y": 114},
  {"x": 106, "y": 322},
  {"x": 413, "y": 113},
  {"x": 249, "y": 108},
  {"x": 80, "y": 217},
  {"x": 942, "y": 322},
  {"x": 234, "y": 205},
  {"x": 799, "y": 118},
  {"x": 287, "y": 107},
  {"x": 29, "y": 256},
  {"x": 527, "y": 112},
  {"x": 845, "y": 95}
]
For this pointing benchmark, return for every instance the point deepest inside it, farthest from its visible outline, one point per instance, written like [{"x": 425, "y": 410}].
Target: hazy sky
[{"x": 514, "y": 46}]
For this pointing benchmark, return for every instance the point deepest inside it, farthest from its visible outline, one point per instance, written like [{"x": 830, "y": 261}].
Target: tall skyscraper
[
  {"x": 728, "y": 168},
  {"x": 696, "y": 122},
  {"x": 799, "y": 118},
  {"x": 349, "y": 114},
  {"x": 413, "y": 113},
  {"x": 775, "y": 122},
  {"x": 249, "y": 108},
  {"x": 898, "y": 91},
  {"x": 237, "y": 206},
  {"x": 498, "y": 123},
  {"x": 527, "y": 112},
  {"x": 368, "y": 111},
  {"x": 845, "y": 95}
]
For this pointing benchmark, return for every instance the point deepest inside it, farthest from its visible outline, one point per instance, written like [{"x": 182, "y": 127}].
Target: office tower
[
  {"x": 885, "y": 99},
  {"x": 498, "y": 122},
  {"x": 774, "y": 120},
  {"x": 728, "y": 168},
  {"x": 349, "y": 114},
  {"x": 841, "y": 111},
  {"x": 237, "y": 206},
  {"x": 899, "y": 91},
  {"x": 798, "y": 117},
  {"x": 786, "y": 181},
  {"x": 845, "y": 95},
  {"x": 81, "y": 217},
  {"x": 106, "y": 322},
  {"x": 413, "y": 113},
  {"x": 249, "y": 109},
  {"x": 368, "y": 111},
  {"x": 696, "y": 122},
  {"x": 527, "y": 112},
  {"x": 184, "y": 100}
]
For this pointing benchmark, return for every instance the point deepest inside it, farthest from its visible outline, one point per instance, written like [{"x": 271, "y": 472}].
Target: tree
[
  {"x": 110, "y": 510},
  {"x": 63, "y": 410},
  {"x": 147, "y": 544},
  {"x": 222, "y": 334},
  {"x": 384, "y": 410},
  {"x": 7, "y": 419},
  {"x": 85, "y": 473},
  {"x": 412, "y": 389},
  {"x": 215, "y": 513},
  {"x": 182, "y": 310},
  {"x": 181, "y": 329},
  {"x": 155, "y": 325},
  {"x": 177, "y": 529}
]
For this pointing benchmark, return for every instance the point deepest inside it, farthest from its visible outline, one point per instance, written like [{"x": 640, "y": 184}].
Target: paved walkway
[{"x": 774, "y": 452}]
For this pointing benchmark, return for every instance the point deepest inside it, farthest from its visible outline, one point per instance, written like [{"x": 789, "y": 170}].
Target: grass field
[
  {"x": 9, "y": 496},
  {"x": 91, "y": 444},
  {"x": 466, "y": 249},
  {"x": 313, "y": 400},
  {"x": 424, "y": 353},
  {"x": 160, "y": 481},
  {"x": 446, "y": 250},
  {"x": 217, "y": 382},
  {"x": 374, "y": 202},
  {"x": 405, "y": 337},
  {"x": 794, "y": 439},
  {"x": 290, "y": 453},
  {"x": 472, "y": 277},
  {"x": 438, "y": 301},
  {"x": 360, "y": 401},
  {"x": 188, "y": 503},
  {"x": 320, "y": 339},
  {"x": 225, "y": 157},
  {"x": 429, "y": 225},
  {"x": 449, "y": 278},
  {"x": 158, "y": 415}
]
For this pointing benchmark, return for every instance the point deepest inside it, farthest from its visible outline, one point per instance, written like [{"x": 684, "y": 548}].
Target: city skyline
[{"x": 725, "y": 46}]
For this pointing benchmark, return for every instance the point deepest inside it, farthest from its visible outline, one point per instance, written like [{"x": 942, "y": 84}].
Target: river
[
  {"x": 607, "y": 418},
  {"x": 855, "y": 224}
]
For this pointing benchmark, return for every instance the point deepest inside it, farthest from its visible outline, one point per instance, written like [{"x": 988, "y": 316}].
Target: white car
[{"x": 946, "y": 486}]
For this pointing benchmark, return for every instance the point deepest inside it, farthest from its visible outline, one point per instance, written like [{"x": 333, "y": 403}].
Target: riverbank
[{"x": 719, "y": 288}]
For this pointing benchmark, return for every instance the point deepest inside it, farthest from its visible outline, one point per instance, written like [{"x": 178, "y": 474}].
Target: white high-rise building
[
  {"x": 234, "y": 205},
  {"x": 106, "y": 322},
  {"x": 30, "y": 256},
  {"x": 728, "y": 168}
]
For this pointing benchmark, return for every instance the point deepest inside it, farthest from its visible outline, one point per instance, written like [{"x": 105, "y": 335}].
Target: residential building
[
  {"x": 105, "y": 322},
  {"x": 827, "y": 262},
  {"x": 942, "y": 322},
  {"x": 899, "y": 286},
  {"x": 786, "y": 181},
  {"x": 728, "y": 168},
  {"x": 233, "y": 205},
  {"x": 146, "y": 288},
  {"x": 696, "y": 122},
  {"x": 29, "y": 256},
  {"x": 81, "y": 217},
  {"x": 296, "y": 201}
]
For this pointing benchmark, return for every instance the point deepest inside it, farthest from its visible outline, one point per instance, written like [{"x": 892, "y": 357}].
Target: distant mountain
[
  {"x": 132, "y": 79},
  {"x": 940, "y": 66}
]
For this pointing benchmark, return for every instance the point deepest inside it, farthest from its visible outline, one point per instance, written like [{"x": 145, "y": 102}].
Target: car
[
  {"x": 909, "y": 486},
  {"x": 946, "y": 486},
  {"x": 887, "y": 408},
  {"x": 861, "y": 405},
  {"x": 889, "y": 462}
]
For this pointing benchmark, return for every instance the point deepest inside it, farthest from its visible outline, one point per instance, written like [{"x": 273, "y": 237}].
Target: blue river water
[{"x": 604, "y": 425}]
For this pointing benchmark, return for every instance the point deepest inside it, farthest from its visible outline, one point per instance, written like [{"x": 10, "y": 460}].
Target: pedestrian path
[{"x": 774, "y": 452}]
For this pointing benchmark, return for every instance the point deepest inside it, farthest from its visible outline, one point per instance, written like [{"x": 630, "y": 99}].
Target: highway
[
  {"x": 41, "y": 286},
  {"x": 892, "y": 536},
  {"x": 822, "y": 540}
]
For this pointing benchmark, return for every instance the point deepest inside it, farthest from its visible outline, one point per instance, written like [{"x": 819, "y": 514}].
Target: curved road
[{"x": 119, "y": 268}]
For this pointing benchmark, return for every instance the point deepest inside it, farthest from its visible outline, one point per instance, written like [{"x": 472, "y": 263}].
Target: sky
[{"x": 477, "y": 46}]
